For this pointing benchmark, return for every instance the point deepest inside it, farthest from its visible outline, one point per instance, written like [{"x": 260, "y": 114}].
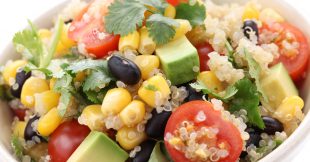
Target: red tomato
[
  {"x": 176, "y": 2},
  {"x": 20, "y": 113},
  {"x": 228, "y": 133},
  {"x": 88, "y": 29},
  {"x": 65, "y": 139},
  {"x": 203, "y": 50},
  {"x": 296, "y": 65}
]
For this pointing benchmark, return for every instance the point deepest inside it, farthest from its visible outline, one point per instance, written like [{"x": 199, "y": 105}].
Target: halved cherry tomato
[
  {"x": 203, "y": 50},
  {"x": 65, "y": 140},
  {"x": 88, "y": 29},
  {"x": 228, "y": 133},
  {"x": 20, "y": 113},
  {"x": 296, "y": 65},
  {"x": 176, "y": 2}
]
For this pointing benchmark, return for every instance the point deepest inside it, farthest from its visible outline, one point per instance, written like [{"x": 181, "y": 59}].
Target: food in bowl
[{"x": 156, "y": 81}]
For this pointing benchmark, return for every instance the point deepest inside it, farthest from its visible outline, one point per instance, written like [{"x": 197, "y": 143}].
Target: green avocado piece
[
  {"x": 179, "y": 60},
  {"x": 278, "y": 85},
  {"x": 98, "y": 147}
]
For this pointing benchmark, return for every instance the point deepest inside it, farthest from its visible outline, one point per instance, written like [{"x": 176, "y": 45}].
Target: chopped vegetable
[{"x": 197, "y": 15}]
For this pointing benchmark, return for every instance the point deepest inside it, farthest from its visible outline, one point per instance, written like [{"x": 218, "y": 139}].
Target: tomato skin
[
  {"x": 176, "y": 2},
  {"x": 203, "y": 50},
  {"x": 20, "y": 113},
  {"x": 296, "y": 66},
  {"x": 227, "y": 131},
  {"x": 65, "y": 139}
]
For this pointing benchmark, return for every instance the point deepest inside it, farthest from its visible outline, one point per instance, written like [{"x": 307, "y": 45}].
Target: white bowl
[{"x": 285, "y": 152}]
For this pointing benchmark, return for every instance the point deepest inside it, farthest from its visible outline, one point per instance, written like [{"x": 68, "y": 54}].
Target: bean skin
[
  {"x": 272, "y": 125},
  {"x": 21, "y": 77},
  {"x": 155, "y": 127},
  {"x": 146, "y": 151}
]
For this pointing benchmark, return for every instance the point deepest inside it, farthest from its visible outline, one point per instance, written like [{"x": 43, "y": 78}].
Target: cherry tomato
[
  {"x": 203, "y": 50},
  {"x": 176, "y": 2},
  {"x": 227, "y": 134},
  {"x": 296, "y": 64},
  {"x": 88, "y": 29},
  {"x": 20, "y": 113},
  {"x": 65, "y": 139}
]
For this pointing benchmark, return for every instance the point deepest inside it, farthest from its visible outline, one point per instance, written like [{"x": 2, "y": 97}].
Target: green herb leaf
[
  {"x": 124, "y": 17},
  {"x": 224, "y": 96},
  {"x": 247, "y": 98},
  {"x": 96, "y": 97},
  {"x": 151, "y": 87},
  {"x": 82, "y": 65},
  {"x": 195, "y": 14},
  {"x": 255, "y": 71},
  {"x": 64, "y": 102},
  {"x": 161, "y": 29},
  {"x": 64, "y": 83},
  {"x": 17, "y": 147},
  {"x": 96, "y": 79},
  {"x": 157, "y": 4},
  {"x": 30, "y": 67}
]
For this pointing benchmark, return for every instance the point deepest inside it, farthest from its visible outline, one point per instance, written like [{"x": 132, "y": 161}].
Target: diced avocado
[
  {"x": 278, "y": 85},
  {"x": 179, "y": 60},
  {"x": 98, "y": 147},
  {"x": 157, "y": 155}
]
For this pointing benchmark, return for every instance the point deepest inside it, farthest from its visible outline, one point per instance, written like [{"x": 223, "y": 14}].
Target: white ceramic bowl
[{"x": 283, "y": 153}]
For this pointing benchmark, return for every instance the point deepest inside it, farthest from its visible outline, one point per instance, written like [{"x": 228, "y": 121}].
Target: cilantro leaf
[
  {"x": 96, "y": 79},
  {"x": 151, "y": 87},
  {"x": 64, "y": 102},
  {"x": 124, "y": 17},
  {"x": 85, "y": 64},
  {"x": 157, "y": 4},
  {"x": 17, "y": 146},
  {"x": 247, "y": 98},
  {"x": 96, "y": 97},
  {"x": 161, "y": 29},
  {"x": 255, "y": 71},
  {"x": 195, "y": 14},
  {"x": 224, "y": 96}
]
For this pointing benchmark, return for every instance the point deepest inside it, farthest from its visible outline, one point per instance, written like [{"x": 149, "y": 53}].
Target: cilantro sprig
[{"x": 194, "y": 13}]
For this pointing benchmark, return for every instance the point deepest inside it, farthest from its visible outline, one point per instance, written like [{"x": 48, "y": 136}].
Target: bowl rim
[{"x": 291, "y": 144}]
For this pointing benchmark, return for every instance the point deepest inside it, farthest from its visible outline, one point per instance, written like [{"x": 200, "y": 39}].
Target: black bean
[
  {"x": 124, "y": 70},
  {"x": 68, "y": 21},
  {"x": 30, "y": 133},
  {"x": 254, "y": 136},
  {"x": 146, "y": 151},
  {"x": 155, "y": 127},
  {"x": 250, "y": 26},
  {"x": 193, "y": 94},
  {"x": 272, "y": 125},
  {"x": 21, "y": 77}
]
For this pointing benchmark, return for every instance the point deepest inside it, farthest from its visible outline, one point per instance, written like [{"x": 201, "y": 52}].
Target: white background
[{"x": 14, "y": 15}]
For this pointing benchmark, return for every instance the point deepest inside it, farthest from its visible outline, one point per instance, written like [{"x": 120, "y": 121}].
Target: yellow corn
[
  {"x": 210, "y": 80},
  {"x": 60, "y": 50},
  {"x": 154, "y": 91},
  {"x": 80, "y": 76},
  {"x": 170, "y": 11},
  {"x": 45, "y": 101},
  {"x": 270, "y": 15},
  {"x": 19, "y": 128},
  {"x": 129, "y": 138},
  {"x": 52, "y": 83},
  {"x": 65, "y": 39},
  {"x": 32, "y": 86},
  {"x": 45, "y": 34},
  {"x": 115, "y": 101},
  {"x": 250, "y": 12},
  {"x": 93, "y": 117},
  {"x": 184, "y": 27},
  {"x": 289, "y": 108},
  {"x": 146, "y": 45},
  {"x": 133, "y": 113},
  {"x": 49, "y": 122},
  {"x": 147, "y": 64},
  {"x": 130, "y": 42},
  {"x": 10, "y": 70}
]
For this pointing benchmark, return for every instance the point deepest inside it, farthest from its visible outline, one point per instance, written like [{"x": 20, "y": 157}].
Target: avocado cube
[
  {"x": 179, "y": 60},
  {"x": 277, "y": 85},
  {"x": 98, "y": 147}
]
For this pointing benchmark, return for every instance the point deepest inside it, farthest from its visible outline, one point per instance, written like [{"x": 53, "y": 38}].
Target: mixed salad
[{"x": 157, "y": 81}]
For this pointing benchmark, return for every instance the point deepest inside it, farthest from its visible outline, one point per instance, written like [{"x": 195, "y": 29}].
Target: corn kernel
[
  {"x": 65, "y": 40},
  {"x": 250, "y": 12},
  {"x": 184, "y": 27},
  {"x": 154, "y": 91},
  {"x": 115, "y": 101},
  {"x": 129, "y": 138},
  {"x": 45, "y": 34},
  {"x": 45, "y": 101},
  {"x": 49, "y": 122},
  {"x": 52, "y": 83},
  {"x": 93, "y": 117},
  {"x": 146, "y": 44},
  {"x": 19, "y": 128},
  {"x": 60, "y": 50},
  {"x": 10, "y": 70},
  {"x": 270, "y": 15},
  {"x": 133, "y": 113},
  {"x": 147, "y": 64},
  {"x": 289, "y": 108},
  {"x": 32, "y": 86},
  {"x": 80, "y": 76},
  {"x": 129, "y": 42},
  {"x": 170, "y": 11},
  {"x": 211, "y": 81}
]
